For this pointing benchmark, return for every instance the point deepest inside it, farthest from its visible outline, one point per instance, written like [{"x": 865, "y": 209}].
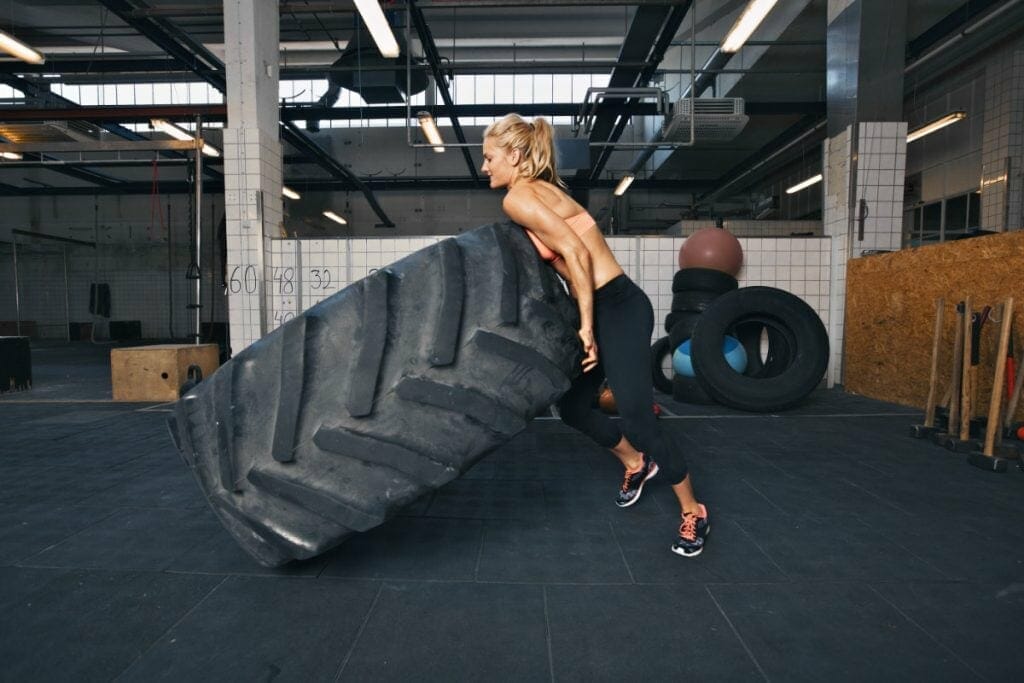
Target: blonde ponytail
[{"x": 535, "y": 141}]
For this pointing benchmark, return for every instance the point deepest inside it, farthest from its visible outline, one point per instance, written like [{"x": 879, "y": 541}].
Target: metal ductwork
[
  {"x": 377, "y": 79},
  {"x": 718, "y": 119}
]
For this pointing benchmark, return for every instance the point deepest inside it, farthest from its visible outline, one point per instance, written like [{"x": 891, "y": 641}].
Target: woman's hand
[{"x": 589, "y": 349}]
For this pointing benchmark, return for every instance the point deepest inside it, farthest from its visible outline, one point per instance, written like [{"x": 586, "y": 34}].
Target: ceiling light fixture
[
  {"x": 805, "y": 184},
  {"x": 289, "y": 192},
  {"x": 16, "y": 48},
  {"x": 377, "y": 23},
  {"x": 751, "y": 17},
  {"x": 937, "y": 124},
  {"x": 624, "y": 184},
  {"x": 430, "y": 131},
  {"x": 335, "y": 217},
  {"x": 13, "y": 156},
  {"x": 179, "y": 133}
]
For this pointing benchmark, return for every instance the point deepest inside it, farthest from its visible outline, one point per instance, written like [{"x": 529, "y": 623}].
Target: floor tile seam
[
  {"x": 876, "y": 496},
  {"x": 770, "y": 463},
  {"x": 736, "y": 633},
  {"x": 622, "y": 552},
  {"x": 547, "y": 635},
  {"x": 234, "y": 573},
  {"x": 581, "y": 584},
  {"x": 765, "y": 497},
  {"x": 67, "y": 538},
  {"x": 909, "y": 552},
  {"x": 359, "y": 633},
  {"x": 786, "y": 416},
  {"x": 925, "y": 631},
  {"x": 479, "y": 550},
  {"x": 760, "y": 549},
  {"x": 158, "y": 638}
]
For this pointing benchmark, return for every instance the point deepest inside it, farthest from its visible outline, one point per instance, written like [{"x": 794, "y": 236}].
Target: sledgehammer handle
[
  {"x": 965, "y": 377},
  {"x": 929, "y": 414},
  {"x": 997, "y": 383}
]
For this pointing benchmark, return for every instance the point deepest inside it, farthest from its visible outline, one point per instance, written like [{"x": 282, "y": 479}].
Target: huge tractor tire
[
  {"x": 387, "y": 390},
  {"x": 799, "y": 334}
]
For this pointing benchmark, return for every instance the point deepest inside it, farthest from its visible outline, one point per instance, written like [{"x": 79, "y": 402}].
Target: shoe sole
[
  {"x": 640, "y": 490},
  {"x": 683, "y": 553}
]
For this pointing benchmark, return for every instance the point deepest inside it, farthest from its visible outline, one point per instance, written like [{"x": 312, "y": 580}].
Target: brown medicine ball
[{"x": 714, "y": 248}]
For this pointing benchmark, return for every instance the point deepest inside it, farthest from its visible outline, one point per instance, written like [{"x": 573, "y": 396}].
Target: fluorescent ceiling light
[
  {"x": 929, "y": 128},
  {"x": 624, "y": 184},
  {"x": 13, "y": 156},
  {"x": 377, "y": 23},
  {"x": 750, "y": 19},
  {"x": 335, "y": 217},
  {"x": 178, "y": 133},
  {"x": 289, "y": 192},
  {"x": 430, "y": 131},
  {"x": 805, "y": 184},
  {"x": 16, "y": 48}
]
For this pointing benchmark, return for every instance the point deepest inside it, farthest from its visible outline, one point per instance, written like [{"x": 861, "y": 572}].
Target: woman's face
[{"x": 500, "y": 163}]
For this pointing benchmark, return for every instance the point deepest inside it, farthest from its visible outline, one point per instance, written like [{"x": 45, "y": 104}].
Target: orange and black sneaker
[
  {"x": 633, "y": 483},
  {"x": 692, "y": 532}
]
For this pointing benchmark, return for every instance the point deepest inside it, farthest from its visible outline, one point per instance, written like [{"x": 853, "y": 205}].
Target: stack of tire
[
  {"x": 693, "y": 292},
  {"x": 784, "y": 340}
]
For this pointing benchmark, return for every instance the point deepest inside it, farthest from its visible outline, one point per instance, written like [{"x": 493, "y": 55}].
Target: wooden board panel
[
  {"x": 155, "y": 373},
  {"x": 890, "y": 309}
]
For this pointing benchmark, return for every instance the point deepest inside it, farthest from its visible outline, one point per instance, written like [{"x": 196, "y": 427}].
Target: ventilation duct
[
  {"x": 718, "y": 119},
  {"x": 378, "y": 80}
]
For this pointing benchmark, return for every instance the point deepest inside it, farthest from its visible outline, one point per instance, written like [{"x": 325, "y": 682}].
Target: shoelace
[
  {"x": 629, "y": 476},
  {"x": 688, "y": 529}
]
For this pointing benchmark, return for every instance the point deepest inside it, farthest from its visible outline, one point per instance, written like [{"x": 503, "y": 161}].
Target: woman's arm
[{"x": 523, "y": 206}]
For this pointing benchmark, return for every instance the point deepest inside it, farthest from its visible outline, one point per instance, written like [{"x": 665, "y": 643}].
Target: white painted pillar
[{"x": 252, "y": 161}]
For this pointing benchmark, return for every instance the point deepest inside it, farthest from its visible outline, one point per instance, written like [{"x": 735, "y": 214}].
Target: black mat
[{"x": 841, "y": 549}]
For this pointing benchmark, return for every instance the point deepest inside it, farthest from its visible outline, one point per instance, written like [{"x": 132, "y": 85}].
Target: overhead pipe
[
  {"x": 434, "y": 60},
  {"x": 666, "y": 33},
  {"x": 816, "y": 129},
  {"x": 215, "y": 76}
]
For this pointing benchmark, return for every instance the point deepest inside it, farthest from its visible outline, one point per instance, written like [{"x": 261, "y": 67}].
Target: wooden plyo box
[{"x": 156, "y": 373}]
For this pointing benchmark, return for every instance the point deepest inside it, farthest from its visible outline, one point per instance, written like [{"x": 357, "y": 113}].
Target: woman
[{"x": 616, "y": 317}]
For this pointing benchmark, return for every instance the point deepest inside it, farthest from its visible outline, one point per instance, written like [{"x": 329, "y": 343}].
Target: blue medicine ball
[{"x": 735, "y": 356}]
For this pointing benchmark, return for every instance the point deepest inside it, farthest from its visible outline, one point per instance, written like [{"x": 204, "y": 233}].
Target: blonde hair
[{"x": 535, "y": 141}]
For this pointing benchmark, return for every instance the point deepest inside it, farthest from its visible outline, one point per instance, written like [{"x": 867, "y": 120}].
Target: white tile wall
[
  {"x": 801, "y": 266},
  {"x": 881, "y": 164}
]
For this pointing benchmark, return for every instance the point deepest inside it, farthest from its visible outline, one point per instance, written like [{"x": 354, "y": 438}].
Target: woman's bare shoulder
[{"x": 552, "y": 197}]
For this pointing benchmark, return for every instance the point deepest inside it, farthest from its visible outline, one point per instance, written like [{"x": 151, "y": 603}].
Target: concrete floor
[{"x": 841, "y": 549}]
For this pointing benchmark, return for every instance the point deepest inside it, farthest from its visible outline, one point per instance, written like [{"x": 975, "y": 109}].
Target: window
[
  {"x": 956, "y": 217},
  {"x": 931, "y": 223},
  {"x": 974, "y": 211}
]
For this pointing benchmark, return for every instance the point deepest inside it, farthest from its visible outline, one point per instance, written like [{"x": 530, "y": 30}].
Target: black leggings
[{"x": 623, "y": 322}]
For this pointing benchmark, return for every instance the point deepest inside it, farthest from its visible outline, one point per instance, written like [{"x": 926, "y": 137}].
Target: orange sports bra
[{"x": 580, "y": 224}]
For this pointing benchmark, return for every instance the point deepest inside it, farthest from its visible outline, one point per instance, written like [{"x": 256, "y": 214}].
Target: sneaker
[
  {"x": 692, "y": 532},
  {"x": 633, "y": 484}
]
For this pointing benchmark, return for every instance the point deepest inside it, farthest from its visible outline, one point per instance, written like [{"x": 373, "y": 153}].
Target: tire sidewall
[{"x": 808, "y": 360}]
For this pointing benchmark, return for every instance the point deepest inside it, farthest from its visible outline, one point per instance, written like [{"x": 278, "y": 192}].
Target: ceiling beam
[
  {"x": 303, "y": 144},
  {"x": 649, "y": 24},
  {"x": 218, "y": 112},
  {"x": 186, "y": 51},
  {"x": 808, "y": 131},
  {"x": 434, "y": 61},
  {"x": 668, "y": 33},
  {"x": 340, "y": 185},
  {"x": 209, "y": 67}
]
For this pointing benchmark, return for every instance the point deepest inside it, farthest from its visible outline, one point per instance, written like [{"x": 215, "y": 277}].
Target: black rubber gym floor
[{"x": 840, "y": 549}]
